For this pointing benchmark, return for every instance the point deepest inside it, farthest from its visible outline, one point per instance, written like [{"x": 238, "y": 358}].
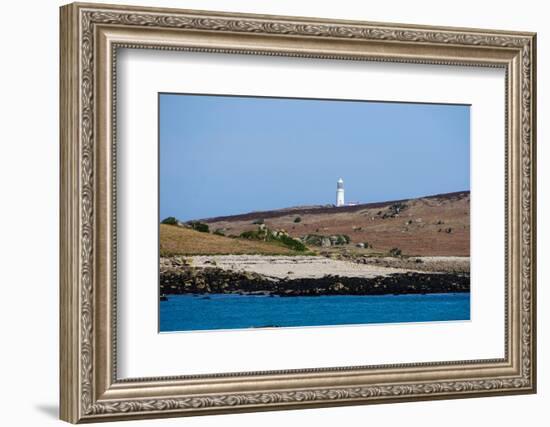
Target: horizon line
[{"x": 320, "y": 206}]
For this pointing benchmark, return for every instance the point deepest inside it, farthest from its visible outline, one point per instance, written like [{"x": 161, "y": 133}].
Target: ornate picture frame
[{"x": 90, "y": 37}]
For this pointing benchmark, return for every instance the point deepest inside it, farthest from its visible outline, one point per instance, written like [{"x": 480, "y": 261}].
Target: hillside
[
  {"x": 436, "y": 225},
  {"x": 184, "y": 241}
]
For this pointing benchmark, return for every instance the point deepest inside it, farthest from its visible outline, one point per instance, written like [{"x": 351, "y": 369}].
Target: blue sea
[{"x": 223, "y": 311}]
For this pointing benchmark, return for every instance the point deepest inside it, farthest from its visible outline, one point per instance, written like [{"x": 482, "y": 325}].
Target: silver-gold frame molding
[{"x": 90, "y": 36}]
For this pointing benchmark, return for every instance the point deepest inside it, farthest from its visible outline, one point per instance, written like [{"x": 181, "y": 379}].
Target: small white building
[{"x": 340, "y": 192}]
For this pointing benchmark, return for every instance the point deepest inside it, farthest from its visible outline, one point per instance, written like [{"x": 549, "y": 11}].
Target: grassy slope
[{"x": 183, "y": 241}]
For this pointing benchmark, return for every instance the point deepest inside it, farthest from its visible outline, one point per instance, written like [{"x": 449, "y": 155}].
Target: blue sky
[{"x": 222, "y": 155}]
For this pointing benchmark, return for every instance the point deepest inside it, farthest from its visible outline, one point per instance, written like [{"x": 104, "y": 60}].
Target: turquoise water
[{"x": 223, "y": 311}]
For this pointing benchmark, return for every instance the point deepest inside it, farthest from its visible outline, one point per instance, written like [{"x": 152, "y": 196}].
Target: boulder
[{"x": 326, "y": 242}]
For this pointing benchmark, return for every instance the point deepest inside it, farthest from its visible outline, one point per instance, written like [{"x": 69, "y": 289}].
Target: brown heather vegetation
[{"x": 436, "y": 225}]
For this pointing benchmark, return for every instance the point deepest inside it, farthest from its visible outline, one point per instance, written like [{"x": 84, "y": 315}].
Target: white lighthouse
[{"x": 340, "y": 192}]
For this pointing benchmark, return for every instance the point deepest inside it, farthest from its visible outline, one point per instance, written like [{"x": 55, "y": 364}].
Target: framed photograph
[{"x": 266, "y": 212}]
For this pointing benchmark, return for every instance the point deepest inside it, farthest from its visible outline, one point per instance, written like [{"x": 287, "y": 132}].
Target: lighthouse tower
[{"x": 340, "y": 192}]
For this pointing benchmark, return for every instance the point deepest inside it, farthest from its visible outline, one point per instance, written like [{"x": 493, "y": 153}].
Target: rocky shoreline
[{"x": 186, "y": 279}]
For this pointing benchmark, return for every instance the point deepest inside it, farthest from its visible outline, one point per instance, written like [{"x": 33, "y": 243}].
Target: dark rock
[{"x": 215, "y": 280}]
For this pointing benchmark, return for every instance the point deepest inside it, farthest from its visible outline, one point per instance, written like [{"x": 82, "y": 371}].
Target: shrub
[
  {"x": 199, "y": 226},
  {"x": 258, "y": 221},
  {"x": 170, "y": 221},
  {"x": 292, "y": 243},
  {"x": 297, "y": 219},
  {"x": 395, "y": 252},
  {"x": 396, "y": 208},
  {"x": 342, "y": 239},
  {"x": 268, "y": 236},
  {"x": 251, "y": 235},
  {"x": 219, "y": 232},
  {"x": 313, "y": 239}
]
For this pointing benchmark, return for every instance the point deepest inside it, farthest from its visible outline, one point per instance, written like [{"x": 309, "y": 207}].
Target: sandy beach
[{"x": 280, "y": 267}]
